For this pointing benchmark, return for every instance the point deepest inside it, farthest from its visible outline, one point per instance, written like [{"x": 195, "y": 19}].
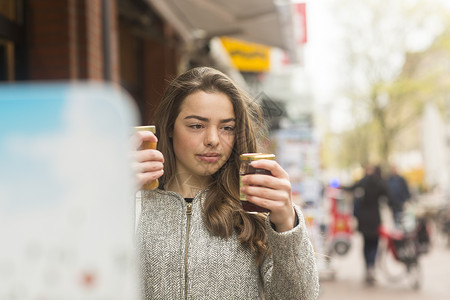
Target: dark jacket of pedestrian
[
  {"x": 398, "y": 190},
  {"x": 368, "y": 215},
  {"x": 369, "y": 192},
  {"x": 370, "y": 189}
]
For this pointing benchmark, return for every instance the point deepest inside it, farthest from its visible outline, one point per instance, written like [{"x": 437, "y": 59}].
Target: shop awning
[{"x": 267, "y": 22}]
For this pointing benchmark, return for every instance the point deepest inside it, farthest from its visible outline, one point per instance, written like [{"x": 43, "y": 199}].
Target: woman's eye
[
  {"x": 196, "y": 126},
  {"x": 229, "y": 128}
]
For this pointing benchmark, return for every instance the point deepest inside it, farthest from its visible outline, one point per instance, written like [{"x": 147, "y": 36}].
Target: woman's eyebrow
[
  {"x": 228, "y": 120},
  {"x": 207, "y": 120},
  {"x": 196, "y": 117}
]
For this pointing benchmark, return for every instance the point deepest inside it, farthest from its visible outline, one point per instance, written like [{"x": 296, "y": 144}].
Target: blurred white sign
[{"x": 66, "y": 193}]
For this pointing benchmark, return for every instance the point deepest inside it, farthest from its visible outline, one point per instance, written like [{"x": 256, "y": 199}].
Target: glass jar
[
  {"x": 148, "y": 145},
  {"x": 245, "y": 169}
]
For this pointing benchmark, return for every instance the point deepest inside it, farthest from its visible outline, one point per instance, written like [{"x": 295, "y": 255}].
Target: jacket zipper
[{"x": 188, "y": 214}]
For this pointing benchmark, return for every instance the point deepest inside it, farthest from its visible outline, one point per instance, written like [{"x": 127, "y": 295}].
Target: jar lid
[
  {"x": 256, "y": 156},
  {"x": 150, "y": 128}
]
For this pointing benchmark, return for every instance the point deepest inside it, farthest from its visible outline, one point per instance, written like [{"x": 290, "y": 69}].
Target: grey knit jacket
[{"x": 181, "y": 259}]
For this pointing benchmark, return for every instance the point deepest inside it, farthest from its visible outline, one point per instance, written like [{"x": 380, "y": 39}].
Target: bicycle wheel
[
  {"x": 393, "y": 269},
  {"x": 414, "y": 277}
]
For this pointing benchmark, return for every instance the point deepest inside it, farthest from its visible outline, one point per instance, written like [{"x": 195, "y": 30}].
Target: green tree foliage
[{"x": 390, "y": 75}]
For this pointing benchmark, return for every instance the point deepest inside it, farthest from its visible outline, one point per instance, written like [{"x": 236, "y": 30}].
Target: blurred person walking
[
  {"x": 399, "y": 193},
  {"x": 369, "y": 192}
]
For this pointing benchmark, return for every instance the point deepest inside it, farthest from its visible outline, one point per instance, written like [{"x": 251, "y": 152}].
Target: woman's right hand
[{"x": 148, "y": 164}]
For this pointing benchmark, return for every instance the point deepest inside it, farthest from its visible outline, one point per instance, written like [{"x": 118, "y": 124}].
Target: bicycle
[{"x": 400, "y": 250}]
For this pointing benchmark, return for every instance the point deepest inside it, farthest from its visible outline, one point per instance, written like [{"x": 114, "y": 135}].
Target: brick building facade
[{"x": 121, "y": 41}]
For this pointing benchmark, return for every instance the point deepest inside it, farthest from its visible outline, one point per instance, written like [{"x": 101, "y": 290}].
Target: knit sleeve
[{"x": 290, "y": 271}]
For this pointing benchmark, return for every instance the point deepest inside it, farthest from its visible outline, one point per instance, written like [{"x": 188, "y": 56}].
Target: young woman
[{"x": 195, "y": 240}]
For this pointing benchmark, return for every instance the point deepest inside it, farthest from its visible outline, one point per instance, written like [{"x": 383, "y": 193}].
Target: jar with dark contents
[{"x": 245, "y": 169}]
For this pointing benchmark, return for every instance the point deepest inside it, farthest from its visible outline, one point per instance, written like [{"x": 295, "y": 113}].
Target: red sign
[{"x": 300, "y": 22}]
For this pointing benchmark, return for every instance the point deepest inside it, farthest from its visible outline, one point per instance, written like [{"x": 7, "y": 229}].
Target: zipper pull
[{"x": 189, "y": 209}]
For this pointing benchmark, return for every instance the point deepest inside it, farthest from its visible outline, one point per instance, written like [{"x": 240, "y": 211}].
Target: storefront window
[{"x": 11, "y": 38}]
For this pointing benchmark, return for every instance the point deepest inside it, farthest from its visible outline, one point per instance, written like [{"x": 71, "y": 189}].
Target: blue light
[{"x": 335, "y": 183}]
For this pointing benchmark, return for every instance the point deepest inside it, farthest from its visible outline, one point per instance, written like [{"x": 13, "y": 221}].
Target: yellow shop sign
[{"x": 247, "y": 57}]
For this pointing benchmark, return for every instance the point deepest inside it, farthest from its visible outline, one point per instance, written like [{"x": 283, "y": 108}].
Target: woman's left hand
[{"x": 271, "y": 192}]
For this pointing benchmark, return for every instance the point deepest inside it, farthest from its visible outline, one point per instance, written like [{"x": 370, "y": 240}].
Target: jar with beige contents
[{"x": 148, "y": 145}]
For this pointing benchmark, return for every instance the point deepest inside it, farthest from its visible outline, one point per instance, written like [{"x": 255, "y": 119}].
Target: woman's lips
[{"x": 209, "y": 157}]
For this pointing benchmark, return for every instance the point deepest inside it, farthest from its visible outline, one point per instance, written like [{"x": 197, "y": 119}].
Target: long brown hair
[{"x": 222, "y": 211}]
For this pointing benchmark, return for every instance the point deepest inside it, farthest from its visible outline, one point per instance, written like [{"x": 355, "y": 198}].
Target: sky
[{"x": 322, "y": 61}]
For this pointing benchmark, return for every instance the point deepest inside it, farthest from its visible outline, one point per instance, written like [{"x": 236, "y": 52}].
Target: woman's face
[{"x": 204, "y": 133}]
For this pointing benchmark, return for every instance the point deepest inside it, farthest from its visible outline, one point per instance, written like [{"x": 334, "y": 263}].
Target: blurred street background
[
  {"x": 345, "y": 276},
  {"x": 344, "y": 84},
  {"x": 348, "y": 282}
]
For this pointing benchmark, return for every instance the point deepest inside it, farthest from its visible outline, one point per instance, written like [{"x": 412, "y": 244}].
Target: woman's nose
[{"x": 212, "y": 137}]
